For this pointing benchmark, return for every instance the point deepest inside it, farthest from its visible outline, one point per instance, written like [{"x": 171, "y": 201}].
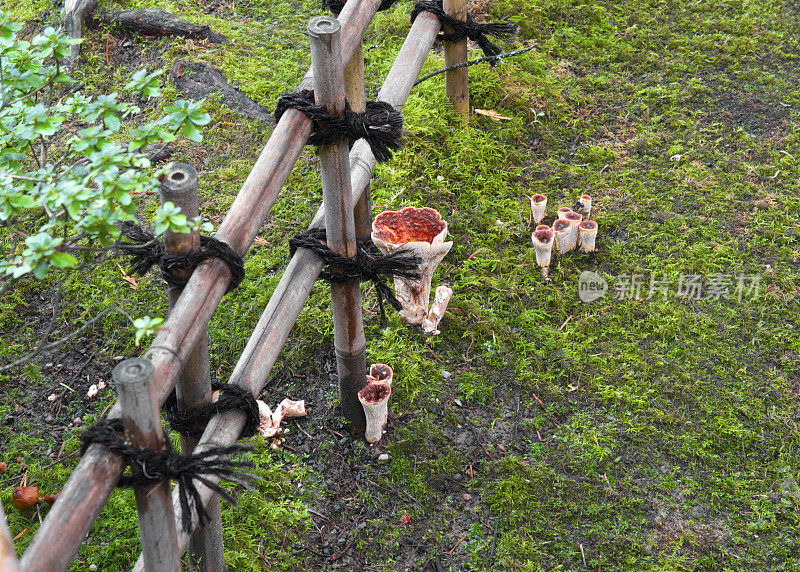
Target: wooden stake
[
  {"x": 194, "y": 389},
  {"x": 456, "y": 81},
  {"x": 142, "y": 421},
  {"x": 355, "y": 92},
  {"x": 348, "y": 326}
]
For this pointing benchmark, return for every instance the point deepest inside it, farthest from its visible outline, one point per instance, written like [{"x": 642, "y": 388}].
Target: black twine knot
[
  {"x": 365, "y": 266},
  {"x": 144, "y": 251},
  {"x": 336, "y": 6},
  {"x": 149, "y": 467},
  {"x": 470, "y": 29},
  {"x": 381, "y": 125},
  {"x": 192, "y": 422}
]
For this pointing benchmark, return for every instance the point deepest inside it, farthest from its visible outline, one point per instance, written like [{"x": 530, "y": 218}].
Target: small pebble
[
  {"x": 48, "y": 418},
  {"x": 458, "y": 402},
  {"x": 119, "y": 358},
  {"x": 383, "y": 457},
  {"x": 446, "y": 374},
  {"x": 343, "y": 441},
  {"x": 342, "y": 540},
  {"x": 458, "y": 477},
  {"x": 92, "y": 567}
]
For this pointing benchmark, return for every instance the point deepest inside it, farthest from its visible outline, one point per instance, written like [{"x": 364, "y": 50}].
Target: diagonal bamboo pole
[
  {"x": 291, "y": 293},
  {"x": 85, "y": 493}
]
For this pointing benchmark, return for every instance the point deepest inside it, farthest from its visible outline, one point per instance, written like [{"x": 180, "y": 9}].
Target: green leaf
[
  {"x": 63, "y": 260},
  {"x": 112, "y": 122}
]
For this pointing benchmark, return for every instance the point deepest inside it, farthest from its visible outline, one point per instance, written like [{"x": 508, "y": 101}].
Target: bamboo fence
[{"x": 177, "y": 359}]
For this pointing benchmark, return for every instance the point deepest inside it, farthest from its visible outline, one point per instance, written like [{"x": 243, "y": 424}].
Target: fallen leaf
[
  {"x": 490, "y": 113},
  {"x": 129, "y": 279}
]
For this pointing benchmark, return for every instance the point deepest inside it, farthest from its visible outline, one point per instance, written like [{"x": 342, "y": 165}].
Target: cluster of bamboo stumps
[{"x": 571, "y": 230}]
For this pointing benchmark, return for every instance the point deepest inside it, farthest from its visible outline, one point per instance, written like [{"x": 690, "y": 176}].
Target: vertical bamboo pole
[
  {"x": 142, "y": 422},
  {"x": 8, "y": 556},
  {"x": 456, "y": 81},
  {"x": 348, "y": 327},
  {"x": 194, "y": 389},
  {"x": 355, "y": 91}
]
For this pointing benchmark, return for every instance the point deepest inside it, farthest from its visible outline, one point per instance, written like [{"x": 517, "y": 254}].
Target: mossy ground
[{"x": 625, "y": 434}]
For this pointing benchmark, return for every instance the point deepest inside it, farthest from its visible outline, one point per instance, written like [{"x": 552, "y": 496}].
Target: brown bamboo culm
[
  {"x": 194, "y": 389},
  {"x": 142, "y": 421},
  {"x": 456, "y": 81}
]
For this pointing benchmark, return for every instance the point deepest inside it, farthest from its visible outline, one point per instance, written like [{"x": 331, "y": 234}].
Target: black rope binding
[
  {"x": 336, "y": 6},
  {"x": 192, "y": 422},
  {"x": 145, "y": 251},
  {"x": 381, "y": 125},
  {"x": 470, "y": 29},
  {"x": 148, "y": 467},
  {"x": 365, "y": 266}
]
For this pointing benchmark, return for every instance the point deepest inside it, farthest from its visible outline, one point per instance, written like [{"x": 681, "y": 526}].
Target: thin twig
[{"x": 23, "y": 178}]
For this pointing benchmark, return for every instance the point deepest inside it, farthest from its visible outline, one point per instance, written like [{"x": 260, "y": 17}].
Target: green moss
[{"x": 637, "y": 434}]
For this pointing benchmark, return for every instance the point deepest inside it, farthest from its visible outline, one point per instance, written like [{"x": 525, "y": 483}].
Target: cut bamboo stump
[
  {"x": 142, "y": 422},
  {"x": 8, "y": 556},
  {"x": 348, "y": 326},
  {"x": 456, "y": 81},
  {"x": 194, "y": 389}
]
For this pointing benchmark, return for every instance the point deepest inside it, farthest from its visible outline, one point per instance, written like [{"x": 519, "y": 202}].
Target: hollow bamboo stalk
[
  {"x": 456, "y": 81},
  {"x": 8, "y": 556},
  {"x": 194, "y": 389},
  {"x": 142, "y": 421},
  {"x": 83, "y": 496},
  {"x": 348, "y": 327},
  {"x": 355, "y": 92},
  {"x": 294, "y": 287}
]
